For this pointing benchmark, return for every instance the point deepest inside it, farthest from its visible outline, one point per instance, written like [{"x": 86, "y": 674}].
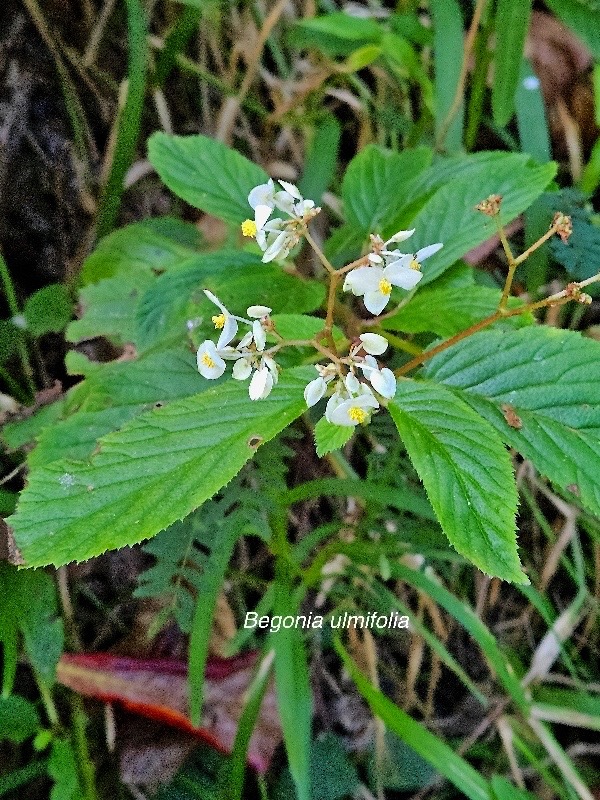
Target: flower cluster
[
  {"x": 353, "y": 400},
  {"x": 387, "y": 268},
  {"x": 276, "y": 237},
  {"x": 251, "y": 360}
]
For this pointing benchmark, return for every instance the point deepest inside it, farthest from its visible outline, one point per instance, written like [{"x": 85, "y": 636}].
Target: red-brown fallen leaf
[{"x": 158, "y": 689}]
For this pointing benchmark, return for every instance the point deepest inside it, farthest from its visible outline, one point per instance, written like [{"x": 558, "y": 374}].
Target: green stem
[
  {"x": 47, "y": 700},
  {"x": 82, "y": 752}
]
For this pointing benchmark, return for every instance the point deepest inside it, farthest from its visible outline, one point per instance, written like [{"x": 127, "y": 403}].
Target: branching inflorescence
[{"x": 357, "y": 383}]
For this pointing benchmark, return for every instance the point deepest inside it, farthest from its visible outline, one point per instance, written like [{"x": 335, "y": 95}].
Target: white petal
[
  {"x": 314, "y": 391},
  {"x": 352, "y": 383},
  {"x": 373, "y": 343},
  {"x": 363, "y": 279},
  {"x": 256, "y": 312},
  {"x": 384, "y": 382},
  {"x": 341, "y": 416},
  {"x": 425, "y": 252},
  {"x": 215, "y": 367},
  {"x": 276, "y": 248},
  {"x": 214, "y": 299},
  {"x": 291, "y": 189},
  {"x": 374, "y": 258},
  {"x": 333, "y": 402},
  {"x": 262, "y": 214},
  {"x": 400, "y": 274},
  {"x": 375, "y": 301},
  {"x": 242, "y": 369},
  {"x": 260, "y": 337},
  {"x": 228, "y": 332},
  {"x": 262, "y": 195},
  {"x": 261, "y": 384},
  {"x": 401, "y": 236},
  {"x": 245, "y": 340},
  {"x": 285, "y": 202},
  {"x": 269, "y": 362}
]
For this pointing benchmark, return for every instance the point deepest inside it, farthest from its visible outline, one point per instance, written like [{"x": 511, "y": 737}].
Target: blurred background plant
[{"x": 500, "y": 678}]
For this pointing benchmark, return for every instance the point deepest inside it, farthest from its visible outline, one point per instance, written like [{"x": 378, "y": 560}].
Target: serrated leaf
[
  {"x": 330, "y": 437},
  {"x": 108, "y": 308},
  {"x": 446, "y": 310},
  {"x": 540, "y": 389},
  {"x": 376, "y": 182},
  {"x": 512, "y": 22},
  {"x": 48, "y": 310},
  {"x": 111, "y": 395},
  {"x": 153, "y": 244},
  {"x": 155, "y": 470},
  {"x": 206, "y": 174},
  {"x": 450, "y": 216},
  {"x": 466, "y": 472}
]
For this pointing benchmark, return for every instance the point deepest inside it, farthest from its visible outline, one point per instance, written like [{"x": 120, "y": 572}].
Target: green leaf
[
  {"x": 153, "y": 244},
  {"x": 206, "y": 174},
  {"x": 111, "y": 395},
  {"x": 446, "y": 310},
  {"x": 237, "y": 279},
  {"x": 512, "y": 22},
  {"x": 292, "y": 684},
  {"x": 505, "y": 790},
  {"x": 448, "y": 37},
  {"x": 321, "y": 159},
  {"x": 155, "y": 470},
  {"x": 29, "y": 607},
  {"x": 202, "y": 625},
  {"x": 376, "y": 182},
  {"x": 18, "y": 719},
  {"x": 466, "y": 472},
  {"x": 48, "y": 310},
  {"x": 402, "y": 768},
  {"x": 336, "y": 34},
  {"x": 62, "y": 768},
  {"x": 583, "y": 17},
  {"x": 330, "y": 437},
  {"x": 450, "y": 216},
  {"x": 531, "y": 115},
  {"x": 108, "y": 308},
  {"x": 458, "y": 771},
  {"x": 545, "y": 380}
]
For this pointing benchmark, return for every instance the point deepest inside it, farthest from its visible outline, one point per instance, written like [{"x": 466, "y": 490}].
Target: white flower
[
  {"x": 257, "y": 312},
  {"x": 242, "y": 369},
  {"x": 261, "y": 384},
  {"x": 314, "y": 391},
  {"x": 210, "y": 363},
  {"x": 375, "y": 283},
  {"x": 225, "y": 322},
  {"x": 259, "y": 335},
  {"x": 276, "y": 240},
  {"x": 401, "y": 236},
  {"x": 373, "y": 343},
  {"x": 352, "y": 411},
  {"x": 384, "y": 382}
]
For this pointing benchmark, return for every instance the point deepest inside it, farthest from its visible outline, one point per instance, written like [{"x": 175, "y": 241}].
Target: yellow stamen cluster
[
  {"x": 385, "y": 287},
  {"x": 207, "y": 361},
  {"x": 249, "y": 227},
  {"x": 218, "y": 321},
  {"x": 357, "y": 414},
  {"x": 414, "y": 264}
]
